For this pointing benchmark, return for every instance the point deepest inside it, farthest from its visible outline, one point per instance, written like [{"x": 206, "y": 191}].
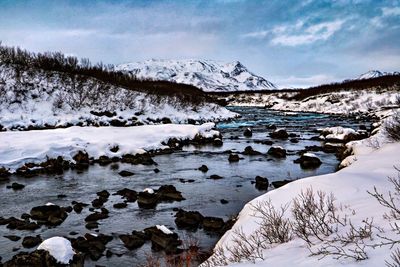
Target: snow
[
  {"x": 148, "y": 190},
  {"x": 47, "y": 98},
  {"x": 50, "y": 204},
  {"x": 347, "y": 102},
  {"x": 370, "y": 166},
  {"x": 208, "y": 75},
  {"x": 20, "y": 147},
  {"x": 58, "y": 247},
  {"x": 164, "y": 229},
  {"x": 375, "y": 74},
  {"x": 310, "y": 155},
  {"x": 337, "y": 132}
]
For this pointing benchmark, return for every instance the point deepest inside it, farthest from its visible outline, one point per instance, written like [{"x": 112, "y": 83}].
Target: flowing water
[{"x": 202, "y": 195}]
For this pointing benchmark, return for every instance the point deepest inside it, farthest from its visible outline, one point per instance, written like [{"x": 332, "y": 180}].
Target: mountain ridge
[{"x": 208, "y": 75}]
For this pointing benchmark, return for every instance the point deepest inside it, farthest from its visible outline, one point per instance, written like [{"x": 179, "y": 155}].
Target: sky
[{"x": 291, "y": 43}]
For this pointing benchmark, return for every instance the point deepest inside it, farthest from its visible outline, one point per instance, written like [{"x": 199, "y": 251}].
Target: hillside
[
  {"x": 50, "y": 90},
  {"x": 208, "y": 75}
]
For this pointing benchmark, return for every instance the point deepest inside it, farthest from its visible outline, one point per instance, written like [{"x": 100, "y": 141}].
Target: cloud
[
  {"x": 317, "y": 32},
  {"x": 390, "y": 11},
  {"x": 387, "y": 13}
]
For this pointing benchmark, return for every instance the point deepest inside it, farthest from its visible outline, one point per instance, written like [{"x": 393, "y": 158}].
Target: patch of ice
[
  {"x": 164, "y": 229},
  {"x": 58, "y": 247}
]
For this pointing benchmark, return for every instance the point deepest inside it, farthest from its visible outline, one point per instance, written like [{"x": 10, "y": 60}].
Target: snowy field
[
  {"x": 373, "y": 161},
  {"x": 20, "y": 147}
]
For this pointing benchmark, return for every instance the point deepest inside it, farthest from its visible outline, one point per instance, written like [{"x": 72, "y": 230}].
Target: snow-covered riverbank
[
  {"x": 374, "y": 160},
  {"x": 20, "y": 147}
]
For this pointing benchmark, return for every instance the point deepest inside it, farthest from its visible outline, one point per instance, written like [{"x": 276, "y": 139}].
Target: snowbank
[
  {"x": 58, "y": 247},
  {"x": 373, "y": 161},
  {"x": 20, "y": 147}
]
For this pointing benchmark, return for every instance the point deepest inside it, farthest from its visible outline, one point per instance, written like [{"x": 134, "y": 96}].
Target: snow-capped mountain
[
  {"x": 208, "y": 75},
  {"x": 375, "y": 74}
]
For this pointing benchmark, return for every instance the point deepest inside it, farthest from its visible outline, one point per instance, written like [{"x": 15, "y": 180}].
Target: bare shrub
[
  {"x": 245, "y": 247},
  {"x": 395, "y": 259},
  {"x": 392, "y": 127},
  {"x": 315, "y": 216},
  {"x": 274, "y": 227}
]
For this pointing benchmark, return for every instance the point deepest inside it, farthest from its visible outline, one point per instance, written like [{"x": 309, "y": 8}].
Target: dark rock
[
  {"x": 156, "y": 170},
  {"x": 203, "y": 168},
  {"x": 16, "y": 186},
  {"x": 117, "y": 123},
  {"x": 96, "y": 216},
  {"x": 169, "y": 193},
  {"x": 93, "y": 246},
  {"x": 217, "y": 142},
  {"x": 278, "y": 184},
  {"x": 216, "y": 177},
  {"x": 109, "y": 253},
  {"x": 250, "y": 151},
  {"x": 262, "y": 183},
  {"x": 121, "y": 205},
  {"x": 37, "y": 258},
  {"x": 49, "y": 214},
  {"x": 213, "y": 224},
  {"x": 106, "y": 113},
  {"x": 308, "y": 162},
  {"x": 99, "y": 202},
  {"x": 12, "y": 237},
  {"x": 31, "y": 241},
  {"x": 125, "y": 173},
  {"x": 277, "y": 152},
  {"x": 233, "y": 158},
  {"x": 92, "y": 225},
  {"x": 103, "y": 194},
  {"x": 4, "y": 173},
  {"x": 133, "y": 241},
  {"x": 78, "y": 206},
  {"x": 81, "y": 160},
  {"x": 279, "y": 134},
  {"x": 144, "y": 159},
  {"x": 294, "y": 140},
  {"x": 147, "y": 200},
  {"x": 224, "y": 201},
  {"x": 104, "y": 160},
  {"x": 271, "y": 127},
  {"x": 248, "y": 132},
  {"x": 114, "y": 149},
  {"x": 188, "y": 219},
  {"x": 128, "y": 194},
  {"x": 61, "y": 196},
  {"x": 162, "y": 241}
]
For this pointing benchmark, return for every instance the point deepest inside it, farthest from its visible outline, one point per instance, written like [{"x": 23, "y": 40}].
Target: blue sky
[{"x": 291, "y": 43}]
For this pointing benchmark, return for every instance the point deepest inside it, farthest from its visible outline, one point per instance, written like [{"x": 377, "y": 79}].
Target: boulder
[
  {"x": 161, "y": 240},
  {"x": 133, "y": 241},
  {"x": 91, "y": 245},
  {"x": 16, "y": 186},
  {"x": 261, "y": 183},
  {"x": 250, "y": 151},
  {"x": 188, "y": 219},
  {"x": 203, "y": 168},
  {"x": 147, "y": 200},
  {"x": 49, "y": 214},
  {"x": 121, "y": 205},
  {"x": 248, "y": 132},
  {"x": 279, "y": 134},
  {"x": 217, "y": 142},
  {"x": 144, "y": 159},
  {"x": 37, "y": 258},
  {"x": 81, "y": 160},
  {"x": 125, "y": 173},
  {"x": 4, "y": 173},
  {"x": 169, "y": 193},
  {"x": 309, "y": 161},
  {"x": 277, "y": 152},
  {"x": 233, "y": 158},
  {"x": 213, "y": 224},
  {"x": 215, "y": 177},
  {"x": 31, "y": 241},
  {"x": 128, "y": 194}
]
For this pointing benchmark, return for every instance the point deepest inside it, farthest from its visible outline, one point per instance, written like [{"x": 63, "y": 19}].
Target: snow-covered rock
[
  {"x": 58, "y": 247},
  {"x": 208, "y": 75}
]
